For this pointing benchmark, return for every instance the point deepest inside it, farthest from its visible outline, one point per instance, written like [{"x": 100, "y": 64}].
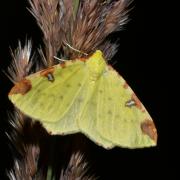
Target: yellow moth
[{"x": 86, "y": 95}]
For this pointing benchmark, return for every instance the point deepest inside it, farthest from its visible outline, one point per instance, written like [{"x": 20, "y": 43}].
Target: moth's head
[{"x": 96, "y": 63}]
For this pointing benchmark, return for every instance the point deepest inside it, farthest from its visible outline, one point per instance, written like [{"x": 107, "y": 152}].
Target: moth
[{"x": 86, "y": 95}]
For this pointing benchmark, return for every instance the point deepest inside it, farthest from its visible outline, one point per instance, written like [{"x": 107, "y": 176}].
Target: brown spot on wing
[
  {"x": 47, "y": 71},
  {"x": 83, "y": 59},
  {"x": 125, "y": 85},
  {"x": 21, "y": 87},
  {"x": 63, "y": 64},
  {"x": 137, "y": 101},
  {"x": 149, "y": 129}
]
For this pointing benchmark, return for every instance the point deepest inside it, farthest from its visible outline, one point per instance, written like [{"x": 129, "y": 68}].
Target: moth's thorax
[{"x": 96, "y": 64}]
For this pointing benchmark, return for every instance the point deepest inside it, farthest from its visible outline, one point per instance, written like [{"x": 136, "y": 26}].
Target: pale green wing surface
[
  {"x": 123, "y": 119},
  {"x": 54, "y": 103},
  {"x": 90, "y": 115}
]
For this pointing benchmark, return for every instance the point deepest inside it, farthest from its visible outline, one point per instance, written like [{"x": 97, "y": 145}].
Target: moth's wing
[
  {"x": 91, "y": 113},
  {"x": 124, "y": 120},
  {"x": 53, "y": 103}
]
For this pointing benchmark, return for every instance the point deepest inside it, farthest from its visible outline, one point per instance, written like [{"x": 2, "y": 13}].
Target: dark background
[{"x": 138, "y": 61}]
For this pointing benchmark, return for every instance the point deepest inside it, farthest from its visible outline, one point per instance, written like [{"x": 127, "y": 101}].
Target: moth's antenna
[
  {"x": 75, "y": 49},
  {"x": 59, "y": 59}
]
